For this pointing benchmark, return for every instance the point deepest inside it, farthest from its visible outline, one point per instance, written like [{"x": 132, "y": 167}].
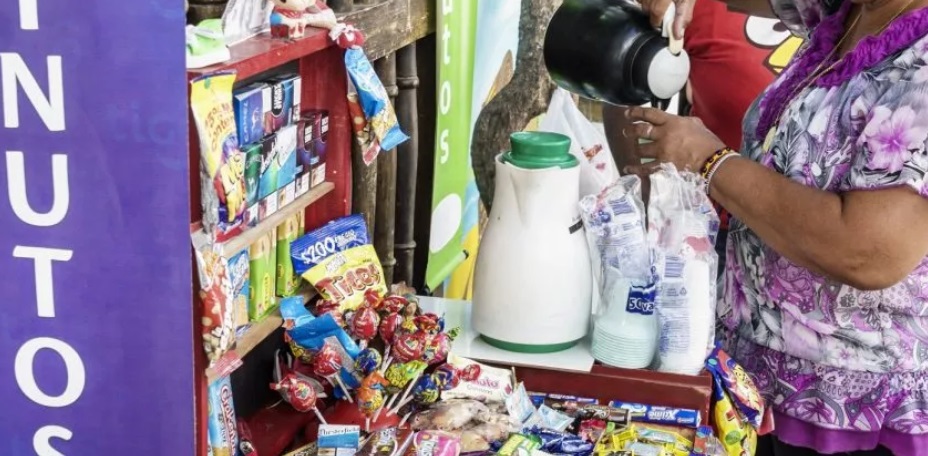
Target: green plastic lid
[{"x": 539, "y": 150}]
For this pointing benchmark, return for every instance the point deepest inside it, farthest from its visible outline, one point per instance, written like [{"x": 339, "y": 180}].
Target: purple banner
[{"x": 96, "y": 330}]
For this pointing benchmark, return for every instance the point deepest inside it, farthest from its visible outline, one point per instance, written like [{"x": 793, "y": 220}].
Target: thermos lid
[{"x": 538, "y": 150}]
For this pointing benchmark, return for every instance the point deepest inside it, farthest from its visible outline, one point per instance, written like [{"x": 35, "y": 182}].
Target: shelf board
[
  {"x": 262, "y": 53},
  {"x": 251, "y": 235},
  {"x": 258, "y": 332}
]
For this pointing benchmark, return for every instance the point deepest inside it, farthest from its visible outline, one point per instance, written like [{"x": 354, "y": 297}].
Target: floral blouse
[{"x": 844, "y": 369}]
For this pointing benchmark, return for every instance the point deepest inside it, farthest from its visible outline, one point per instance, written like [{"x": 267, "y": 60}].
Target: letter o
[
  {"x": 25, "y": 378},
  {"x": 444, "y": 98}
]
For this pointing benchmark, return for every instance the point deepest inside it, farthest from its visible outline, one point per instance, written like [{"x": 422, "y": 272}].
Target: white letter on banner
[
  {"x": 41, "y": 440},
  {"x": 28, "y": 15},
  {"x": 44, "y": 284},
  {"x": 444, "y": 98},
  {"x": 446, "y": 45},
  {"x": 16, "y": 73},
  {"x": 16, "y": 184},
  {"x": 25, "y": 378},
  {"x": 445, "y": 148}
]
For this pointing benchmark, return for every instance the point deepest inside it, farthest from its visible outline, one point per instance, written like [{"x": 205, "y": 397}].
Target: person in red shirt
[{"x": 733, "y": 58}]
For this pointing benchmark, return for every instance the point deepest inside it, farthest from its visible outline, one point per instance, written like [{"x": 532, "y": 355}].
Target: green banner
[{"x": 455, "y": 59}]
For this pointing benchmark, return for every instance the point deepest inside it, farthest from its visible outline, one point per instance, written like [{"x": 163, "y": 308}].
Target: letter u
[{"x": 16, "y": 184}]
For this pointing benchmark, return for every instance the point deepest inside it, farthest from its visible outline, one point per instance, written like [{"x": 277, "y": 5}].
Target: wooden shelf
[
  {"x": 251, "y": 235},
  {"x": 262, "y": 53},
  {"x": 258, "y": 332}
]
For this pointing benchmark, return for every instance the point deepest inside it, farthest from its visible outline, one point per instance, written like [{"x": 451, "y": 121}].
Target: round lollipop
[
  {"x": 327, "y": 364},
  {"x": 389, "y": 324},
  {"x": 364, "y": 324},
  {"x": 393, "y": 304},
  {"x": 407, "y": 347},
  {"x": 436, "y": 349},
  {"x": 373, "y": 299},
  {"x": 370, "y": 400},
  {"x": 446, "y": 376},
  {"x": 424, "y": 392},
  {"x": 368, "y": 361},
  {"x": 300, "y": 393},
  {"x": 400, "y": 375}
]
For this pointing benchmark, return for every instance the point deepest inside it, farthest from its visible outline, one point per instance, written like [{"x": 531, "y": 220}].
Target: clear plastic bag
[
  {"x": 244, "y": 19},
  {"x": 682, "y": 229},
  {"x": 587, "y": 143},
  {"x": 625, "y": 327}
]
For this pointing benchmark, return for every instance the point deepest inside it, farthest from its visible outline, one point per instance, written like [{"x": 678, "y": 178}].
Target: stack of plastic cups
[{"x": 626, "y": 334}]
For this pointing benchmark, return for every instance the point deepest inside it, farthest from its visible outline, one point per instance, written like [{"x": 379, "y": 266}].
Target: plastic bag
[
  {"x": 682, "y": 227},
  {"x": 587, "y": 143},
  {"x": 244, "y": 19},
  {"x": 373, "y": 99}
]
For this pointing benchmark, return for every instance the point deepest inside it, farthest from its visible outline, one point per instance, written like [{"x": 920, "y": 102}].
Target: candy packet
[
  {"x": 739, "y": 386},
  {"x": 216, "y": 297},
  {"x": 222, "y": 163},
  {"x": 241, "y": 290},
  {"x": 311, "y": 332},
  {"x": 519, "y": 445},
  {"x": 563, "y": 403},
  {"x": 738, "y": 437},
  {"x": 682, "y": 227},
  {"x": 386, "y": 442},
  {"x": 339, "y": 235},
  {"x": 561, "y": 443},
  {"x": 338, "y": 439},
  {"x": 655, "y": 414},
  {"x": 222, "y": 428},
  {"x": 433, "y": 443},
  {"x": 363, "y": 135},
  {"x": 479, "y": 381},
  {"x": 373, "y": 100},
  {"x": 519, "y": 404}
]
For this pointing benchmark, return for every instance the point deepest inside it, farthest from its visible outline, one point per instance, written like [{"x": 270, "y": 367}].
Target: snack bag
[
  {"x": 241, "y": 290},
  {"x": 737, "y": 436},
  {"x": 287, "y": 281},
  {"x": 433, "y": 443},
  {"x": 373, "y": 100},
  {"x": 221, "y": 425},
  {"x": 479, "y": 381},
  {"x": 386, "y": 442},
  {"x": 222, "y": 163},
  {"x": 336, "y": 236},
  {"x": 367, "y": 141},
  {"x": 739, "y": 386},
  {"x": 263, "y": 284},
  {"x": 216, "y": 297}
]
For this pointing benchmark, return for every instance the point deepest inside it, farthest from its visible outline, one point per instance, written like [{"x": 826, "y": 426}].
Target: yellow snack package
[
  {"x": 738, "y": 437},
  {"x": 344, "y": 277}
]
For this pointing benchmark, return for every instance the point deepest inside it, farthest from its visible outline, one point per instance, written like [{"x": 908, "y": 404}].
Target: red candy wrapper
[
  {"x": 364, "y": 323},
  {"x": 469, "y": 373},
  {"x": 393, "y": 304},
  {"x": 298, "y": 392},
  {"x": 427, "y": 322},
  {"x": 327, "y": 362},
  {"x": 373, "y": 299},
  {"x": 437, "y": 348},
  {"x": 408, "y": 347},
  {"x": 388, "y": 327},
  {"x": 433, "y": 443}
]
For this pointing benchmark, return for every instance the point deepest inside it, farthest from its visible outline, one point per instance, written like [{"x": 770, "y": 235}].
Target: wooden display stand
[{"x": 324, "y": 83}]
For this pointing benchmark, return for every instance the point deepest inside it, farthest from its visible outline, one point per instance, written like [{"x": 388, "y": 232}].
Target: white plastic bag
[
  {"x": 682, "y": 229},
  {"x": 587, "y": 143},
  {"x": 244, "y": 19}
]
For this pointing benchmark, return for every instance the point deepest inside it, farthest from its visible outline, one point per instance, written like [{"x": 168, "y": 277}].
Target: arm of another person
[{"x": 869, "y": 239}]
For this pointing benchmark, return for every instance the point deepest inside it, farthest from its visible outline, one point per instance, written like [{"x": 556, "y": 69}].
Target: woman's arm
[{"x": 867, "y": 239}]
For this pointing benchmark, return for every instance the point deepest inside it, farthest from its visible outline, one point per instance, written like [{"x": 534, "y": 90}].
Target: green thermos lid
[{"x": 539, "y": 150}]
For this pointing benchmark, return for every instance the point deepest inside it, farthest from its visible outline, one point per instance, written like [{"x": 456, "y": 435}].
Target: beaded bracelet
[
  {"x": 713, "y": 161},
  {"x": 718, "y": 164}
]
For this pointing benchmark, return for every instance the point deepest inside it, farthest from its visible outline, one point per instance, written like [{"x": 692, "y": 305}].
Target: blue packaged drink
[
  {"x": 337, "y": 236},
  {"x": 655, "y": 414}
]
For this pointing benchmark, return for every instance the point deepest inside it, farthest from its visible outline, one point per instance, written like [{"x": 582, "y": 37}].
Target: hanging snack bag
[
  {"x": 288, "y": 282},
  {"x": 738, "y": 437},
  {"x": 739, "y": 386},
  {"x": 216, "y": 297},
  {"x": 222, "y": 163},
  {"x": 340, "y": 262},
  {"x": 373, "y": 99},
  {"x": 221, "y": 425},
  {"x": 363, "y": 134},
  {"x": 263, "y": 284}
]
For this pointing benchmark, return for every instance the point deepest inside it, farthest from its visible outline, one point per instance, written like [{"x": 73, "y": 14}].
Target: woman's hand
[
  {"x": 682, "y": 17},
  {"x": 683, "y": 141}
]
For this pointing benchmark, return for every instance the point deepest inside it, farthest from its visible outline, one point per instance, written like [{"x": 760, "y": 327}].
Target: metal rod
[{"x": 407, "y": 156}]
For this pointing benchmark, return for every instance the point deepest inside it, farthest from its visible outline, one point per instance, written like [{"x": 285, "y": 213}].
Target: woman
[{"x": 826, "y": 286}]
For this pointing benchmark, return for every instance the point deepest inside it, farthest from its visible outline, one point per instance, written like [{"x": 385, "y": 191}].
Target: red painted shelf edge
[{"x": 263, "y": 53}]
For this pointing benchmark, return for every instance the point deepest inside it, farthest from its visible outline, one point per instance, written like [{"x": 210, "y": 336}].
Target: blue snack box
[
  {"x": 283, "y": 107},
  {"x": 655, "y": 414},
  {"x": 249, "y": 104}
]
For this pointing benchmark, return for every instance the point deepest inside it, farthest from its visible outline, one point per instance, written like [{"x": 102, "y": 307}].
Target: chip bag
[
  {"x": 738, "y": 384},
  {"x": 222, "y": 163},
  {"x": 373, "y": 99},
  {"x": 217, "y": 298},
  {"x": 737, "y": 436},
  {"x": 222, "y": 428},
  {"x": 339, "y": 261}
]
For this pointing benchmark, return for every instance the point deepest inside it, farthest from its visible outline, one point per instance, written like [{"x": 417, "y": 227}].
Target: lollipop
[
  {"x": 400, "y": 375},
  {"x": 368, "y": 361},
  {"x": 300, "y": 393},
  {"x": 427, "y": 322},
  {"x": 370, "y": 400},
  {"x": 373, "y": 299},
  {"x": 446, "y": 376},
  {"x": 364, "y": 323},
  {"x": 327, "y": 364},
  {"x": 425, "y": 392},
  {"x": 437, "y": 348},
  {"x": 389, "y": 324},
  {"x": 407, "y": 347},
  {"x": 393, "y": 304}
]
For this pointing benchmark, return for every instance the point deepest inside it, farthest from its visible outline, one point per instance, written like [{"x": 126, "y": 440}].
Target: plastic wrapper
[
  {"x": 433, "y": 443},
  {"x": 222, "y": 163},
  {"x": 373, "y": 99},
  {"x": 344, "y": 277},
  {"x": 386, "y": 442},
  {"x": 244, "y": 19},
  {"x": 561, "y": 443},
  {"x": 222, "y": 428},
  {"x": 682, "y": 229},
  {"x": 490, "y": 384},
  {"x": 310, "y": 332},
  {"x": 564, "y": 403},
  {"x": 518, "y": 445},
  {"x": 450, "y": 415},
  {"x": 737, "y": 436},
  {"x": 336, "y": 236},
  {"x": 216, "y": 297},
  {"x": 739, "y": 386},
  {"x": 519, "y": 404},
  {"x": 363, "y": 132},
  {"x": 659, "y": 414}
]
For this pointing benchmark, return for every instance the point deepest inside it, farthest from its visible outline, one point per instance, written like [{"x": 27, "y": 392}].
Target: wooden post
[
  {"x": 407, "y": 156},
  {"x": 385, "y": 220},
  {"x": 427, "y": 114}
]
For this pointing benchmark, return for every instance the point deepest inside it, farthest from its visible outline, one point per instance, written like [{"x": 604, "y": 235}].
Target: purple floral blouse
[{"x": 844, "y": 369}]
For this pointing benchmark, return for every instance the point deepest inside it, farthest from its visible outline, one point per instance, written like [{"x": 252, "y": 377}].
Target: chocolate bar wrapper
[
  {"x": 387, "y": 442},
  {"x": 660, "y": 415}
]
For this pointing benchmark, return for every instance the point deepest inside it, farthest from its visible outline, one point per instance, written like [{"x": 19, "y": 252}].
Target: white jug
[{"x": 533, "y": 279}]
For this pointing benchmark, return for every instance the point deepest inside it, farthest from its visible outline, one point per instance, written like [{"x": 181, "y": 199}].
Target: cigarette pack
[
  {"x": 249, "y": 103},
  {"x": 313, "y": 136}
]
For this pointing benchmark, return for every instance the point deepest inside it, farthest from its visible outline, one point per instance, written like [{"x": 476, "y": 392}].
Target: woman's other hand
[
  {"x": 683, "y": 13},
  {"x": 683, "y": 141}
]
